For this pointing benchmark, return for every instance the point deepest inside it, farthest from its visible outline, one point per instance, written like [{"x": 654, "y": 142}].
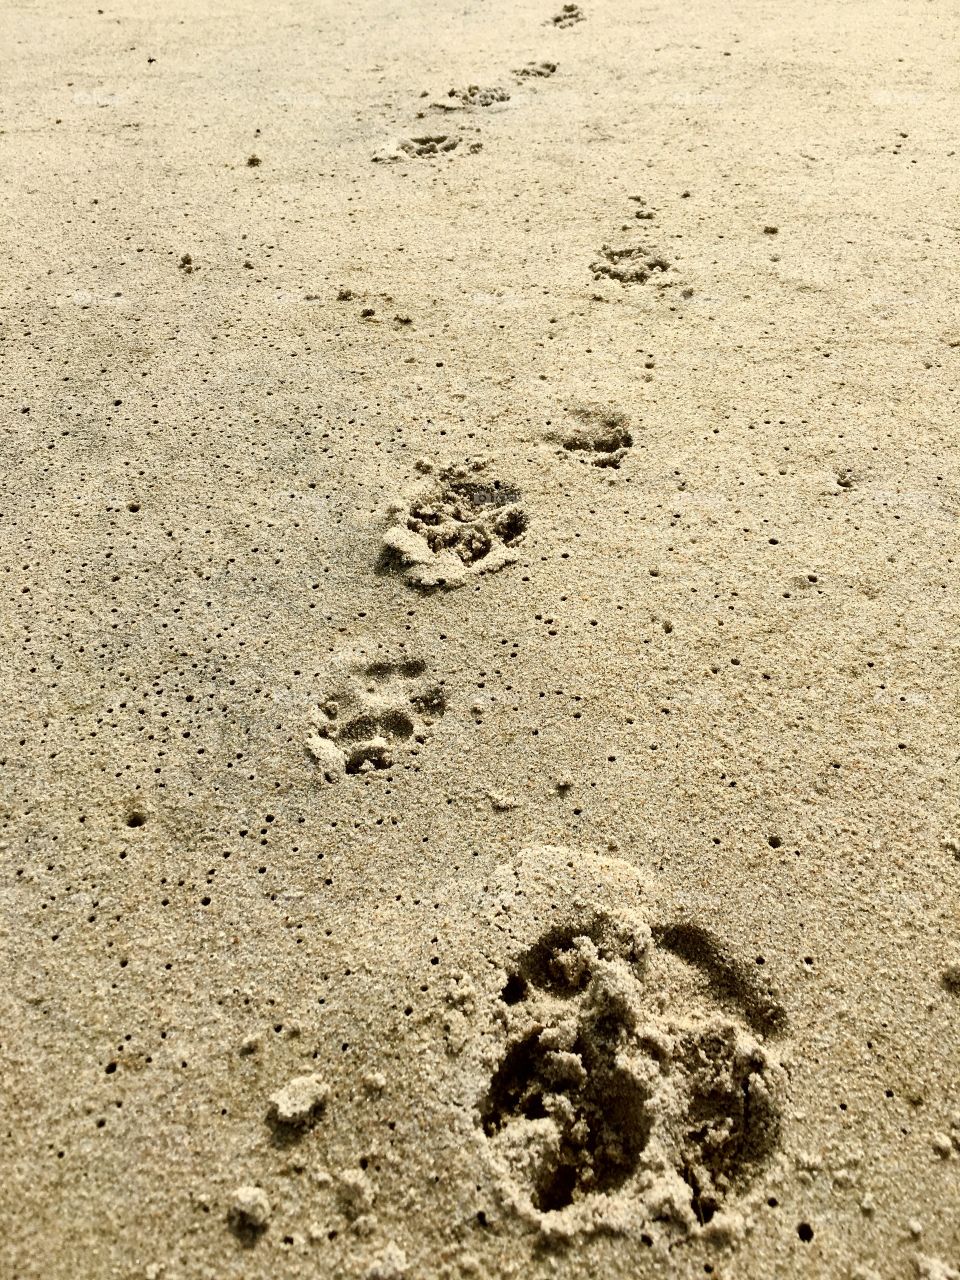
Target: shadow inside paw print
[
  {"x": 456, "y": 524},
  {"x": 608, "y": 1104},
  {"x": 594, "y": 1108},
  {"x": 370, "y": 711}
]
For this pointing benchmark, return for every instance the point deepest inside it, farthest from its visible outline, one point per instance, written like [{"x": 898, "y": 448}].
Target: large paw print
[
  {"x": 625, "y": 1093},
  {"x": 456, "y": 524},
  {"x": 371, "y": 712}
]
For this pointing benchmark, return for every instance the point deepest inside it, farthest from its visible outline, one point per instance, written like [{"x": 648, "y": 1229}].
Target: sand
[{"x": 479, "y": 527}]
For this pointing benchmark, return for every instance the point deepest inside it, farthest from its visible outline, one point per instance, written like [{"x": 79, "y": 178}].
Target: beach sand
[{"x": 479, "y": 529}]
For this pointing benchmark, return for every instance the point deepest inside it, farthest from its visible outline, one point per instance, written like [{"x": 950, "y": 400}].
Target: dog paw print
[
  {"x": 371, "y": 714},
  {"x": 456, "y": 524},
  {"x": 600, "y": 437},
  {"x": 568, "y": 16},
  {"x": 474, "y": 95},
  {"x": 642, "y": 212},
  {"x": 428, "y": 146},
  {"x": 535, "y": 71},
  {"x": 634, "y": 1086},
  {"x": 434, "y": 144},
  {"x": 633, "y": 264}
]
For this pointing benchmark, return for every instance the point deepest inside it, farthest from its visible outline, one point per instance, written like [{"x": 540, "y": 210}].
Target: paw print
[
  {"x": 372, "y": 713},
  {"x": 621, "y": 1096},
  {"x": 456, "y": 524},
  {"x": 601, "y": 437}
]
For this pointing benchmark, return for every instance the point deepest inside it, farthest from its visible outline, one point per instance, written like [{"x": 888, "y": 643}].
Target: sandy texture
[{"x": 481, "y": 786}]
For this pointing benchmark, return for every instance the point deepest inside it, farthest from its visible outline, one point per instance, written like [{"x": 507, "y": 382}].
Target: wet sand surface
[{"x": 481, "y": 793}]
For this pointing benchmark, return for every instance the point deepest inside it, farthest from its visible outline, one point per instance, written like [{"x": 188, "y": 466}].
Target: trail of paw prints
[
  {"x": 634, "y": 1088},
  {"x": 441, "y": 141},
  {"x": 594, "y": 436},
  {"x": 371, "y": 715},
  {"x": 470, "y": 102},
  {"x": 635, "y": 260},
  {"x": 455, "y": 524}
]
